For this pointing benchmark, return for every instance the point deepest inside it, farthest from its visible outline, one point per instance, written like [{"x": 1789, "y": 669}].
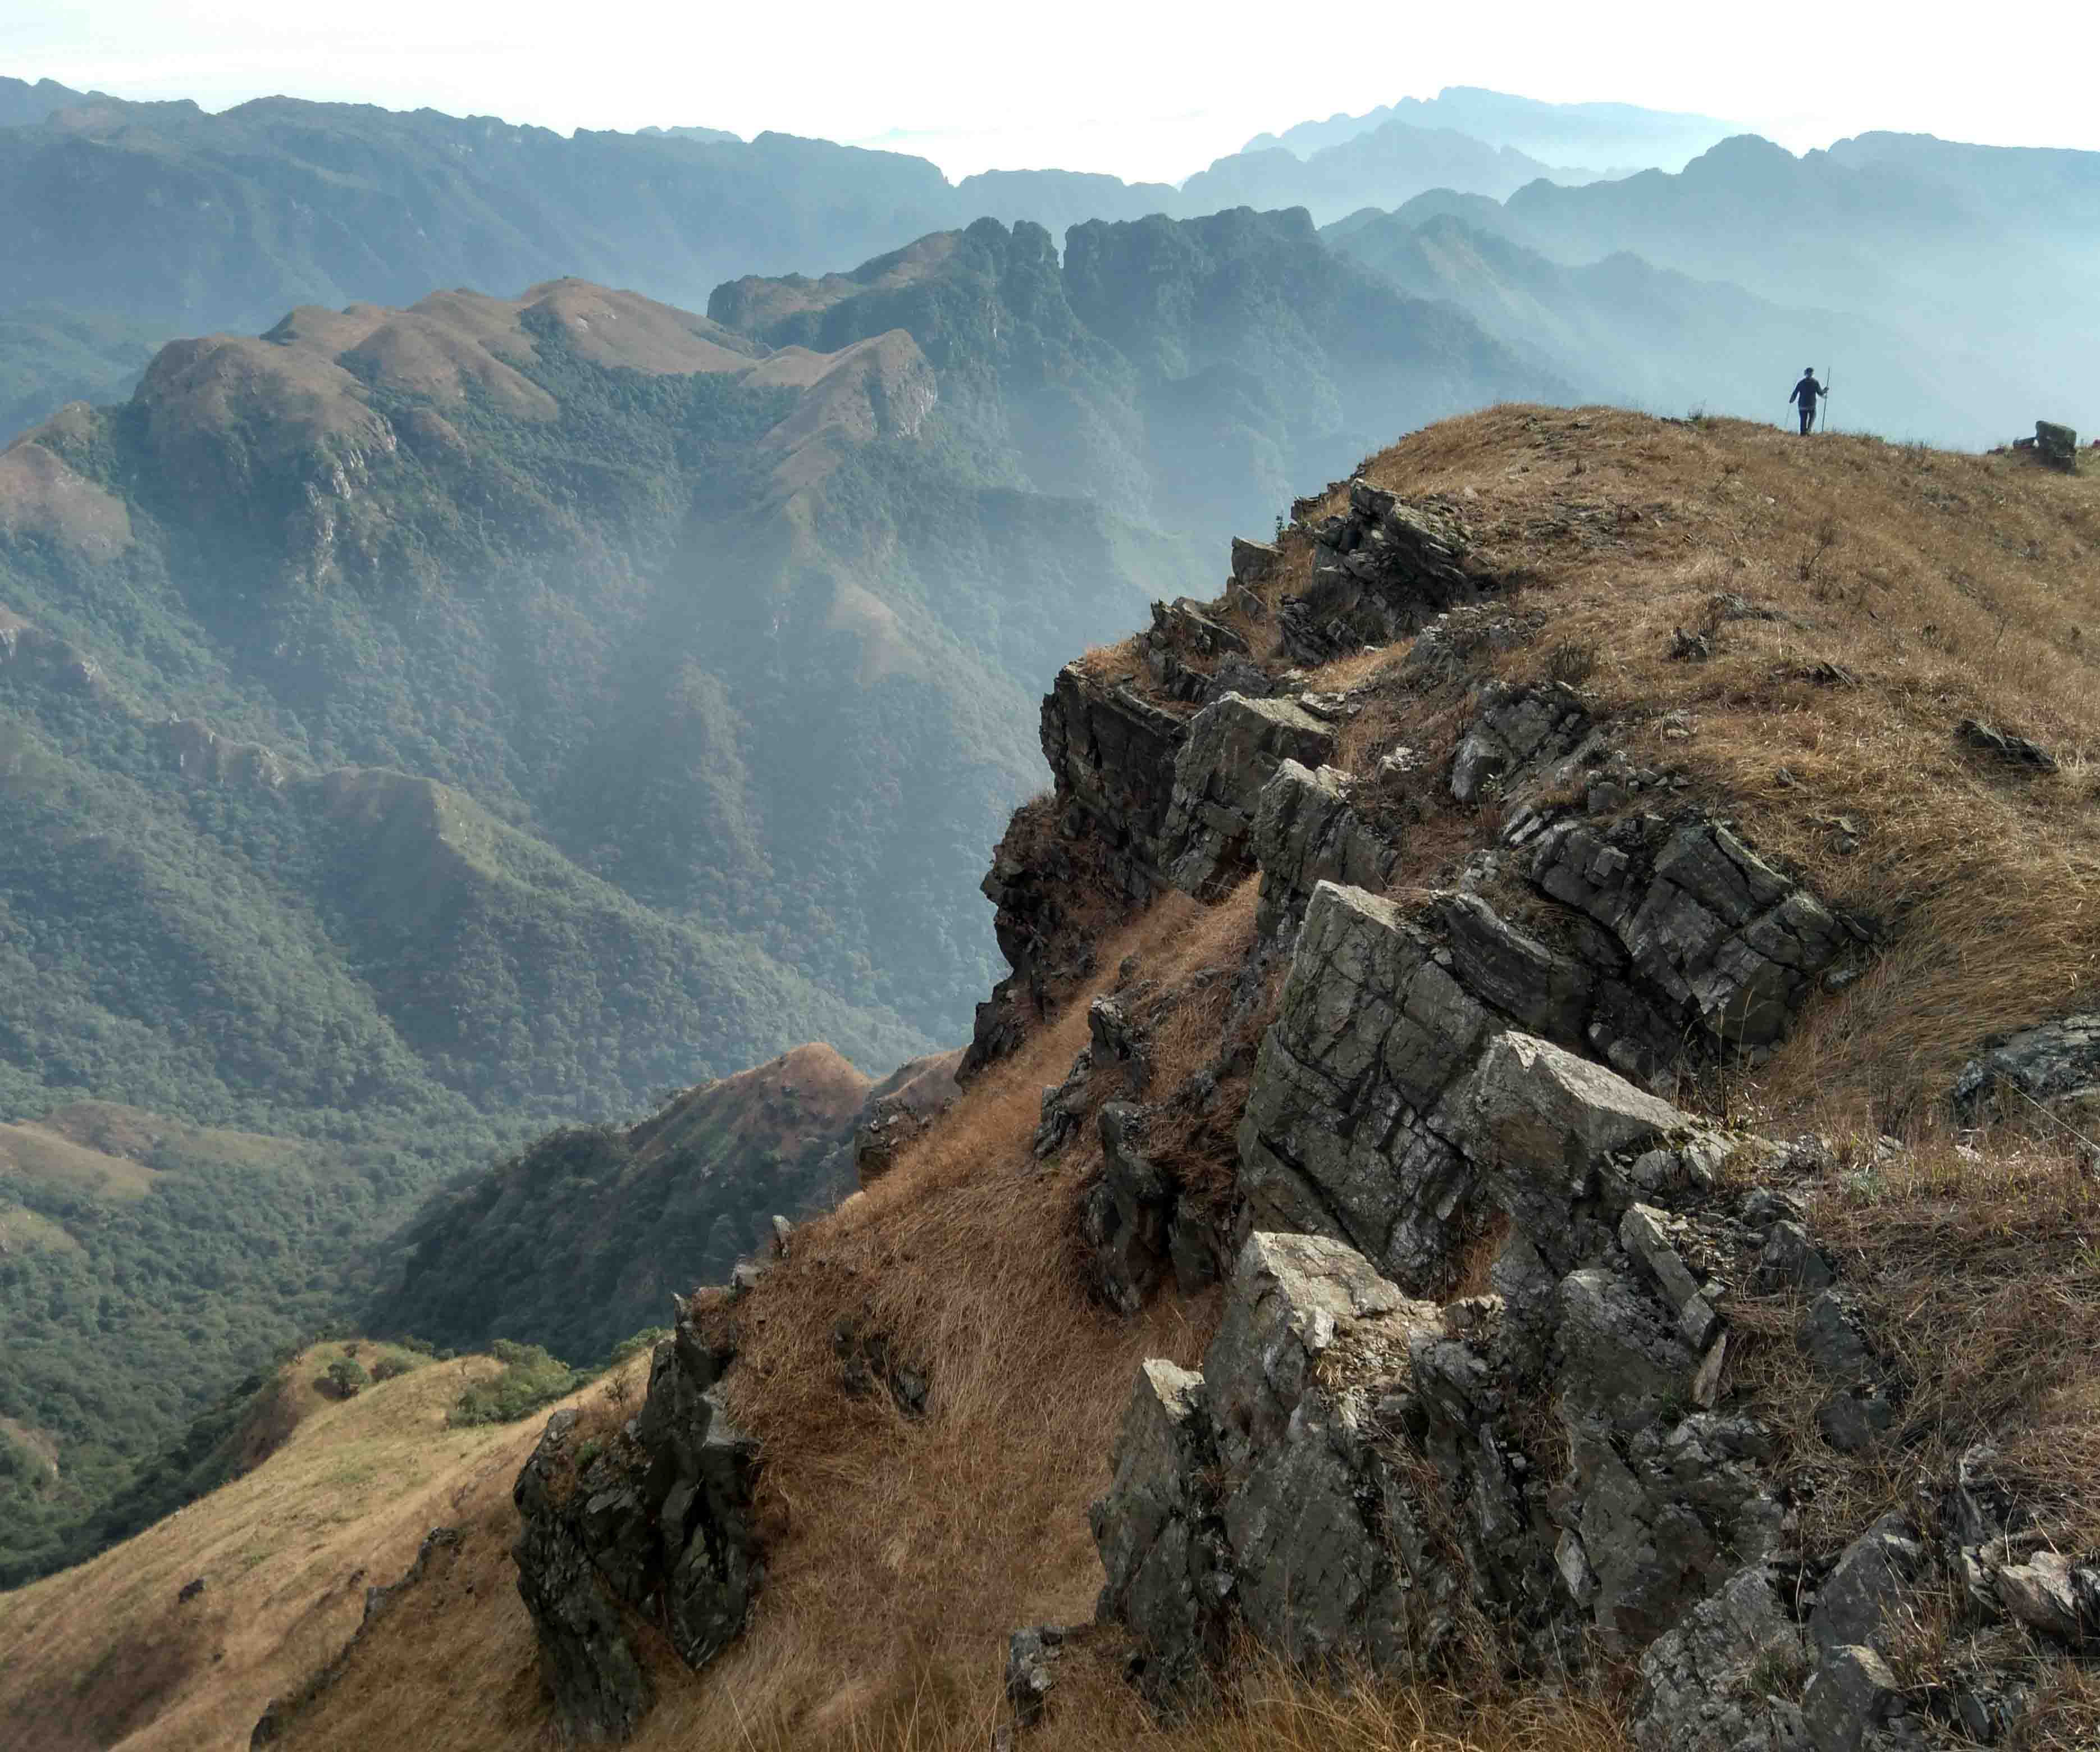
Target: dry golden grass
[
  {"x": 105, "y": 1655},
  {"x": 1980, "y": 1275}
]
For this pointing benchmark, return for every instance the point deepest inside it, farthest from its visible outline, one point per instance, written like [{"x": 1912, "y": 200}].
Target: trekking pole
[{"x": 1823, "y": 419}]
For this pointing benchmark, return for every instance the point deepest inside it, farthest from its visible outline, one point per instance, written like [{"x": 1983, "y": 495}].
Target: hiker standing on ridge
[{"x": 1806, "y": 393}]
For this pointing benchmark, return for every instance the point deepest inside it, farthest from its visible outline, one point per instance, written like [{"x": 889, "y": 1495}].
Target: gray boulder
[
  {"x": 1233, "y": 750},
  {"x": 2055, "y": 1066},
  {"x": 1868, "y": 1586},
  {"x": 1851, "y": 1700},
  {"x": 1714, "y": 932},
  {"x": 1717, "y": 1682},
  {"x": 1539, "y": 1121},
  {"x": 1162, "y": 1552},
  {"x": 1125, "y": 1217},
  {"x": 587, "y": 1659},
  {"x": 1515, "y": 728},
  {"x": 1112, "y": 754},
  {"x": 1339, "y": 1137},
  {"x": 1305, "y": 833}
]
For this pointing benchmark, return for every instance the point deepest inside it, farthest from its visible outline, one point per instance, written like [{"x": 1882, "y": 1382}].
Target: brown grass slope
[
  {"x": 1915, "y": 590},
  {"x": 107, "y": 1655}
]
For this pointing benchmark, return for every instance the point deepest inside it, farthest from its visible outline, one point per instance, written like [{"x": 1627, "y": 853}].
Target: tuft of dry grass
[{"x": 1979, "y": 1273}]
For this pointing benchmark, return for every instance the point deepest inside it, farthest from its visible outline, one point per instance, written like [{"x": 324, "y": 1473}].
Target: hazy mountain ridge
[
  {"x": 1603, "y": 137},
  {"x": 162, "y": 214},
  {"x": 1384, "y": 166},
  {"x": 1625, "y": 331},
  {"x": 22, "y": 104}
]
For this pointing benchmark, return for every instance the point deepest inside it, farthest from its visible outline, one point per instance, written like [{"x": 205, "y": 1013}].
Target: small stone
[
  {"x": 1864, "y": 1591},
  {"x": 1852, "y": 1422},
  {"x": 2048, "y": 1593},
  {"x": 1851, "y": 1693},
  {"x": 1576, "y": 1574},
  {"x": 1706, "y": 1383},
  {"x": 1791, "y": 1261},
  {"x": 1030, "y": 1655},
  {"x": 2013, "y": 750},
  {"x": 1833, "y": 1336}
]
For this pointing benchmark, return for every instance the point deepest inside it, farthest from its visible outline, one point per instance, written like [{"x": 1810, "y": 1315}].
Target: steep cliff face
[{"x": 1463, "y": 1181}]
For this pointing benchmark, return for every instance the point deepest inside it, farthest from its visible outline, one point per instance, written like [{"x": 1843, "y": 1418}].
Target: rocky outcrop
[
  {"x": 1112, "y": 754},
  {"x": 2056, "y": 445},
  {"x": 1306, "y": 831},
  {"x": 1124, "y": 1221},
  {"x": 1561, "y": 1464},
  {"x": 204, "y": 757},
  {"x": 2054, "y": 1068},
  {"x": 1514, "y": 728},
  {"x": 1192, "y": 656},
  {"x": 654, "y": 1519},
  {"x": 1233, "y": 750},
  {"x": 29, "y": 654},
  {"x": 1376, "y": 1106},
  {"x": 1381, "y": 568},
  {"x": 1715, "y": 937}
]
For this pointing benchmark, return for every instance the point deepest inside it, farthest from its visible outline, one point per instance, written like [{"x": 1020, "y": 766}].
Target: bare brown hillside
[{"x": 1790, "y": 635}]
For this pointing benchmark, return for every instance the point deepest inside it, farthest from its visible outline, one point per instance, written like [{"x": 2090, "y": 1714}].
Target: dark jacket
[{"x": 1806, "y": 390}]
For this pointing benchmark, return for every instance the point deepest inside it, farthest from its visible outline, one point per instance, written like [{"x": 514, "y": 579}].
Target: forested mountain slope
[
  {"x": 162, "y": 218},
  {"x": 422, "y": 727}
]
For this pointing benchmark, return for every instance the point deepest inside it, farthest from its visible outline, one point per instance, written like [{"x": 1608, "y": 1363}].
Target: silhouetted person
[{"x": 1806, "y": 393}]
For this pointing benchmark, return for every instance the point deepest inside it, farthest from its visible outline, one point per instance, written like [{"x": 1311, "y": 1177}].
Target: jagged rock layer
[{"x": 1565, "y": 1464}]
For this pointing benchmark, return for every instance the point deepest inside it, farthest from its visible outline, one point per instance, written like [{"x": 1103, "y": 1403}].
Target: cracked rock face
[
  {"x": 1714, "y": 932},
  {"x": 2056, "y": 1066},
  {"x": 1305, "y": 833},
  {"x": 1560, "y": 1465},
  {"x": 1233, "y": 749},
  {"x": 657, "y": 1521},
  {"x": 1343, "y": 1135},
  {"x": 1113, "y": 754},
  {"x": 1383, "y": 568},
  {"x": 1377, "y": 1106}
]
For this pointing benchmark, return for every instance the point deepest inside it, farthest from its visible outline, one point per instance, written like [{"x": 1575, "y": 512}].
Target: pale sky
[{"x": 1144, "y": 92}]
